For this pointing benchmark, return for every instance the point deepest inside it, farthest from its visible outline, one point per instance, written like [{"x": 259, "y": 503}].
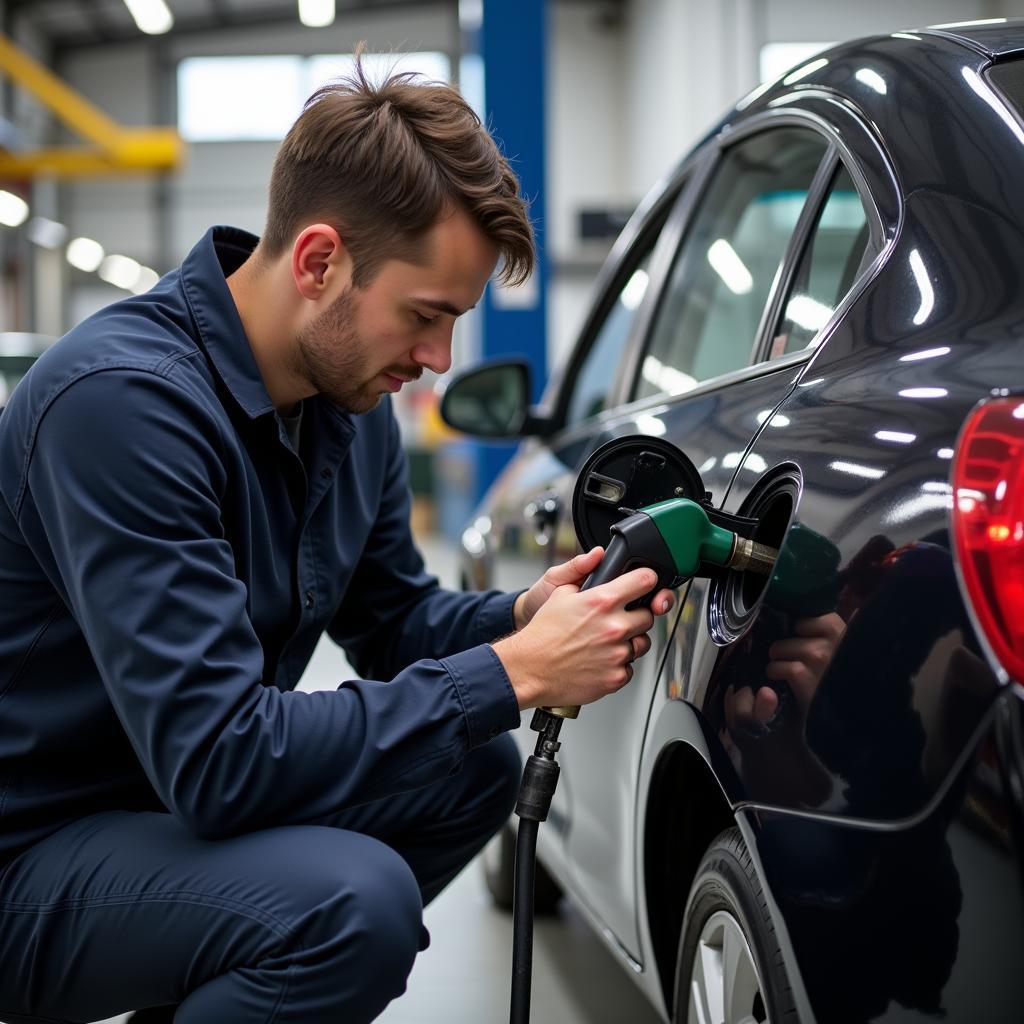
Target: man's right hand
[{"x": 580, "y": 646}]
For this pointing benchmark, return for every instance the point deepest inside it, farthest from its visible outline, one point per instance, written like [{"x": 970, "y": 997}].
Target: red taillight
[{"x": 988, "y": 525}]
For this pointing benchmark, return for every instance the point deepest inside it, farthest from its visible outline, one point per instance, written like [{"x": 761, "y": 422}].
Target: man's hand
[
  {"x": 580, "y": 646},
  {"x": 571, "y": 573}
]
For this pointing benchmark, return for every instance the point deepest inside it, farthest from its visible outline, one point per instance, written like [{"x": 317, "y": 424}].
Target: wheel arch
[{"x": 686, "y": 809}]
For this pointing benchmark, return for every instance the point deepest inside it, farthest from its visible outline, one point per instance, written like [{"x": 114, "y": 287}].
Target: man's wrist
[{"x": 518, "y": 613}]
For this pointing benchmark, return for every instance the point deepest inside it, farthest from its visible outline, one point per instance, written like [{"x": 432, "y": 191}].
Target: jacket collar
[{"x": 220, "y": 252}]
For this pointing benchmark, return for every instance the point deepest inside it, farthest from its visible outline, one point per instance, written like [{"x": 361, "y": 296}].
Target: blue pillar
[{"x": 512, "y": 43}]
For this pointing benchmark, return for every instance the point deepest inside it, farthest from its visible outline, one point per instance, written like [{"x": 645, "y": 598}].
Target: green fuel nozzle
[{"x": 676, "y": 538}]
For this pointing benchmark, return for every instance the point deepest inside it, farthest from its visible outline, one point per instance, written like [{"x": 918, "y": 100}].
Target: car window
[
  {"x": 595, "y": 376},
  {"x": 828, "y": 267},
  {"x": 712, "y": 305}
]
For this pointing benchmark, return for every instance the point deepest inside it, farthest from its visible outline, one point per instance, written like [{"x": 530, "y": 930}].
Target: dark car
[{"x": 807, "y": 805}]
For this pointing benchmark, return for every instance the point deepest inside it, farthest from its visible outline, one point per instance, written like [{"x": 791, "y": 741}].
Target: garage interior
[{"x": 123, "y": 141}]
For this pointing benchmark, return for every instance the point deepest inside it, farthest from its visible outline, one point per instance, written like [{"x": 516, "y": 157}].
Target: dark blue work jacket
[{"x": 168, "y": 563}]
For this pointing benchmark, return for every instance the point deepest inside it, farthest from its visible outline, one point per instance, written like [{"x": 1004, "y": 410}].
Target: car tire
[
  {"x": 499, "y": 862},
  {"x": 727, "y": 911}
]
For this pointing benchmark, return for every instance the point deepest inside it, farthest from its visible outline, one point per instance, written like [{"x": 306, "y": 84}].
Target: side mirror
[{"x": 492, "y": 400}]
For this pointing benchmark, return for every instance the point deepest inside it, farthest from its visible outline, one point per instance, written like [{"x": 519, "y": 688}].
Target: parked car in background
[{"x": 808, "y": 805}]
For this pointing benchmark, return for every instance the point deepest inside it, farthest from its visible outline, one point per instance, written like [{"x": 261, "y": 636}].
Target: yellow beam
[
  {"x": 114, "y": 149},
  {"x": 154, "y": 151}
]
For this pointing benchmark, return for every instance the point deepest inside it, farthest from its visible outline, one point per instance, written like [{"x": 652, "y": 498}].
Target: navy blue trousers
[{"x": 303, "y": 923}]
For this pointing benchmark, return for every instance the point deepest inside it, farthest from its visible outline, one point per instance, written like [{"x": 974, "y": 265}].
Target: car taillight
[{"x": 988, "y": 525}]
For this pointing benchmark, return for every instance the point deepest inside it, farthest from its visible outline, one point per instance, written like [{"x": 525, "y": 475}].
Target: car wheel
[
  {"x": 729, "y": 969},
  {"x": 499, "y": 861}
]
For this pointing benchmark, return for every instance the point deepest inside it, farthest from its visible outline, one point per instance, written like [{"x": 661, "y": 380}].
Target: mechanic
[{"x": 197, "y": 483}]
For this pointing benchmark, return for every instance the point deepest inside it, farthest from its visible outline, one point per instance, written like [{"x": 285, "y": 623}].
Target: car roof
[{"x": 995, "y": 37}]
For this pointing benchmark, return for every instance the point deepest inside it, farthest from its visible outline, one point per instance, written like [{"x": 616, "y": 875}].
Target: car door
[
  {"x": 527, "y": 525},
  {"x": 700, "y": 380}
]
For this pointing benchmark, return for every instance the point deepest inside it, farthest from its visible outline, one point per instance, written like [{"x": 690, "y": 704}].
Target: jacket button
[
  {"x": 310, "y": 600},
  {"x": 327, "y": 472}
]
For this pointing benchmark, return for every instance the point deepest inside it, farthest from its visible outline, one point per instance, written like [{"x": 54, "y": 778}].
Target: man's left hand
[{"x": 574, "y": 572}]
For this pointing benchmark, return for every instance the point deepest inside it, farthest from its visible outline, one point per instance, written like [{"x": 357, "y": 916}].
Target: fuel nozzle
[{"x": 677, "y": 539}]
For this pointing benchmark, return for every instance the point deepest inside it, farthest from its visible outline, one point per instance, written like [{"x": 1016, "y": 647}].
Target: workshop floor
[{"x": 463, "y": 977}]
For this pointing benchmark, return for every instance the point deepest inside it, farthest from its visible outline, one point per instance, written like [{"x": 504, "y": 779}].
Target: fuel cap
[{"x": 624, "y": 475}]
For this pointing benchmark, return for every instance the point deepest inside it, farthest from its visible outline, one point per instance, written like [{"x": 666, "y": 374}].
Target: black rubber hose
[{"x": 522, "y": 921}]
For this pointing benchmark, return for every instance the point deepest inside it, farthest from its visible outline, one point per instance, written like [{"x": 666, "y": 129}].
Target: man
[{"x": 196, "y": 484}]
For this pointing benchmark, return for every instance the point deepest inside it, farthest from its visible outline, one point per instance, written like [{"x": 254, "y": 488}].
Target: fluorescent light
[
  {"x": 855, "y": 469},
  {"x": 729, "y": 267},
  {"x": 636, "y": 286},
  {"x": 85, "y": 254},
  {"x": 895, "y": 436},
  {"x": 146, "y": 279},
  {"x": 49, "y": 234},
  {"x": 945, "y": 453},
  {"x": 971, "y": 24},
  {"x": 872, "y": 79},
  {"x": 316, "y": 13},
  {"x": 13, "y": 209},
  {"x": 120, "y": 271},
  {"x": 666, "y": 378},
  {"x": 807, "y": 69},
  {"x": 651, "y": 425},
  {"x": 923, "y": 393},
  {"x": 924, "y": 286},
  {"x": 809, "y": 313},
  {"x": 151, "y": 16},
  {"x": 928, "y": 353}
]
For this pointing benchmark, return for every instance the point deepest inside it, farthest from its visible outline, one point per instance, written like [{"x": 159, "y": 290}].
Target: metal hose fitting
[{"x": 751, "y": 556}]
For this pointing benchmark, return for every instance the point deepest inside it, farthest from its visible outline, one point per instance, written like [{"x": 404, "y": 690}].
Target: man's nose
[{"x": 436, "y": 354}]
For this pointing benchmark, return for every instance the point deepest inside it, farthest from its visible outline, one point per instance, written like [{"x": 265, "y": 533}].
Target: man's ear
[{"x": 321, "y": 263}]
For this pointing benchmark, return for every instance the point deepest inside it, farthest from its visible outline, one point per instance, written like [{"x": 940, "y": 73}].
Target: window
[
  {"x": 711, "y": 309},
  {"x": 222, "y": 99},
  {"x": 828, "y": 267},
  {"x": 595, "y": 375}
]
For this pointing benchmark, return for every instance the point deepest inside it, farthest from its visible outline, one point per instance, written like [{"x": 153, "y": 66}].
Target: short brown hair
[{"x": 383, "y": 163}]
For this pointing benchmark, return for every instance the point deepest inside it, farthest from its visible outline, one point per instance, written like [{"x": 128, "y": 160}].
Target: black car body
[{"x": 818, "y": 369}]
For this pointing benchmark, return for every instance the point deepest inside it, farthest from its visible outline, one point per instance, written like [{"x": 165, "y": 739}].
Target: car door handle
[{"x": 542, "y": 513}]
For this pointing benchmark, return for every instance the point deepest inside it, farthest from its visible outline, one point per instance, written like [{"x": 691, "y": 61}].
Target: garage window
[{"x": 709, "y": 314}]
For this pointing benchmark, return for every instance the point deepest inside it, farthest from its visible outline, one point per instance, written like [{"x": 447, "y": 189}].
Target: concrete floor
[{"x": 463, "y": 978}]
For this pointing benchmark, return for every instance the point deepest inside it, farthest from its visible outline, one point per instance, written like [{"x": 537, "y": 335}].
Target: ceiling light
[
  {"x": 146, "y": 279},
  {"x": 730, "y": 267},
  {"x": 923, "y": 393},
  {"x": 928, "y": 353},
  {"x": 85, "y": 254},
  {"x": 151, "y": 16},
  {"x": 855, "y": 469},
  {"x": 316, "y": 13},
  {"x": 872, "y": 79},
  {"x": 49, "y": 234},
  {"x": 120, "y": 271},
  {"x": 13, "y": 209}
]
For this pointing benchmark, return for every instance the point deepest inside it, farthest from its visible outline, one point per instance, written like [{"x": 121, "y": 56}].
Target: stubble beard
[{"x": 330, "y": 357}]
